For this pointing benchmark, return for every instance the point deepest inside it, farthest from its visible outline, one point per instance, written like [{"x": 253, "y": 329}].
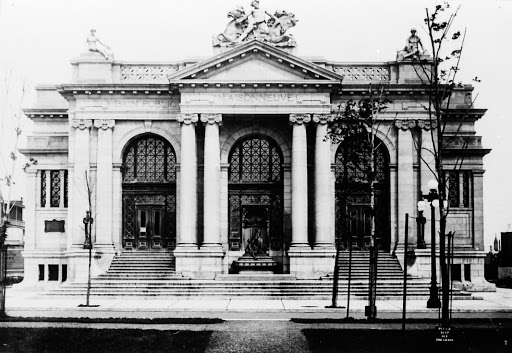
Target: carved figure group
[
  {"x": 255, "y": 25},
  {"x": 412, "y": 47},
  {"x": 94, "y": 44}
]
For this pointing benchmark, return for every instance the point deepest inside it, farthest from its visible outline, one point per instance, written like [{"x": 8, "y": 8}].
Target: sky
[{"x": 39, "y": 38}]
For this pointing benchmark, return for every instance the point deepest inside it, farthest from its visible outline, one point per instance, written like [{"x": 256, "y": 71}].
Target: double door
[{"x": 150, "y": 226}]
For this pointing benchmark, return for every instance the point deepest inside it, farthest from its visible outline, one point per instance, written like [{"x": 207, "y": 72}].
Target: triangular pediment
[{"x": 255, "y": 62}]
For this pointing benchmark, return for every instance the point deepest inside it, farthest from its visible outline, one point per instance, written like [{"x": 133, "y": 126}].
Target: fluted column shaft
[
  {"x": 211, "y": 179},
  {"x": 299, "y": 180},
  {"x": 324, "y": 237},
  {"x": 188, "y": 180}
]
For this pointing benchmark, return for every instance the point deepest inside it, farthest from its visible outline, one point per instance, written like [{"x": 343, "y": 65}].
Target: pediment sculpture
[{"x": 257, "y": 24}]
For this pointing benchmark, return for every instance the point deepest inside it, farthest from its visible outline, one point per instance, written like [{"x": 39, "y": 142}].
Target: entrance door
[
  {"x": 149, "y": 226},
  {"x": 359, "y": 226}
]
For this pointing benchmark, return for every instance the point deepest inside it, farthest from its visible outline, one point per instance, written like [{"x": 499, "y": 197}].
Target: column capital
[
  {"x": 188, "y": 119},
  {"x": 323, "y": 118},
  {"x": 104, "y": 124},
  {"x": 211, "y": 119},
  {"x": 300, "y": 119},
  {"x": 427, "y": 124},
  {"x": 405, "y": 124},
  {"x": 81, "y": 124}
]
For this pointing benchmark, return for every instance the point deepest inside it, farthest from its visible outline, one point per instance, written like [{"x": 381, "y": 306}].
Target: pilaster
[
  {"x": 81, "y": 166},
  {"x": 406, "y": 177},
  {"x": 104, "y": 187}
]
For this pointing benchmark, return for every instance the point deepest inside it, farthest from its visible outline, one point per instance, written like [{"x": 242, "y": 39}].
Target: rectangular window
[
  {"x": 43, "y": 188},
  {"x": 53, "y": 272},
  {"x": 64, "y": 273},
  {"x": 65, "y": 188},
  {"x": 453, "y": 189},
  {"x": 456, "y": 275},
  {"x": 467, "y": 272},
  {"x": 466, "y": 188},
  {"x": 41, "y": 272},
  {"x": 54, "y": 187}
]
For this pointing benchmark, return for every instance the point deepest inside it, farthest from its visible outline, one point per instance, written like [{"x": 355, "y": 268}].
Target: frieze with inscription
[
  {"x": 130, "y": 104},
  {"x": 255, "y": 98}
]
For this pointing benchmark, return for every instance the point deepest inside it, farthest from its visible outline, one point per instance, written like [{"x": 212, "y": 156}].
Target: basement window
[
  {"x": 53, "y": 272},
  {"x": 64, "y": 273},
  {"x": 467, "y": 272},
  {"x": 41, "y": 272}
]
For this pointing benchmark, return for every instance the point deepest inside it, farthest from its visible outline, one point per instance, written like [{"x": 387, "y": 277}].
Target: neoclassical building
[{"x": 198, "y": 158}]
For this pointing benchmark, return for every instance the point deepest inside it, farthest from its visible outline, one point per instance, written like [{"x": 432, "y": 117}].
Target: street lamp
[
  {"x": 421, "y": 220},
  {"x": 3, "y": 264},
  {"x": 433, "y": 198}
]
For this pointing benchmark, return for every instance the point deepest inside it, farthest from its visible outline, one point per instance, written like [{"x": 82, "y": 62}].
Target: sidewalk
[{"x": 20, "y": 304}]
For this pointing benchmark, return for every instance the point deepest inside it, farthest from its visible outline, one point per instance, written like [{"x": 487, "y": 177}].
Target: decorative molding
[
  {"x": 323, "y": 118},
  {"x": 300, "y": 118},
  {"x": 187, "y": 119},
  {"x": 147, "y": 125},
  {"x": 427, "y": 124},
  {"x": 82, "y": 124},
  {"x": 147, "y": 73},
  {"x": 405, "y": 124},
  {"x": 211, "y": 119},
  {"x": 375, "y": 73},
  {"x": 104, "y": 124}
]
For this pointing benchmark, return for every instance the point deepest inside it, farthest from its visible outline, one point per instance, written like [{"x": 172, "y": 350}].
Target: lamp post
[
  {"x": 421, "y": 220},
  {"x": 3, "y": 265},
  {"x": 433, "y": 198}
]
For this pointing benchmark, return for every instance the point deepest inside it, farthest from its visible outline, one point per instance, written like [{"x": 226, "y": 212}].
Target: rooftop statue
[
  {"x": 412, "y": 47},
  {"x": 94, "y": 44},
  {"x": 245, "y": 26}
]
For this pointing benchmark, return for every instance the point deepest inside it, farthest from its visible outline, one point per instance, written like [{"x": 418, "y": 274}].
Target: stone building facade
[{"x": 194, "y": 157}]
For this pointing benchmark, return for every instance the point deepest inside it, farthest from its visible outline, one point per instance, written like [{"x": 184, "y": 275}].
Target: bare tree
[
  {"x": 356, "y": 125},
  {"x": 438, "y": 74}
]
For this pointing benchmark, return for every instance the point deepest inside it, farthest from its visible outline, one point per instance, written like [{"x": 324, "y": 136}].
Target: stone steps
[{"x": 147, "y": 274}]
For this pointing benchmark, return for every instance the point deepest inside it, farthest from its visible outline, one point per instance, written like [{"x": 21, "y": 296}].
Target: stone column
[
  {"x": 104, "y": 190},
  {"x": 405, "y": 177},
  {"x": 188, "y": 181},
  {"x": 324, "y": 235},
  {"x": 211, "y": 180},
  {"x": 299, "y": 181},
  {"x": 81, "y": 165}
]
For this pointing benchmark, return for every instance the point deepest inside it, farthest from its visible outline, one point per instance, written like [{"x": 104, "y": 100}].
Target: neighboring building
[
  {"x": 201, "y": 157},
  {"x": 15, "y": 239}
]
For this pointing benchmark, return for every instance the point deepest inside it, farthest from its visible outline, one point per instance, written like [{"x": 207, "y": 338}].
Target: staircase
[
  {"x": 388, "y": 267},
  {"x": 152, "y": 274}
]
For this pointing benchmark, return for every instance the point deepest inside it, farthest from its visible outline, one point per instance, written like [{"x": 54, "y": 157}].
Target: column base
[
  {"x": 311, "y": 264},
  {"x": 203, "y": 263}
]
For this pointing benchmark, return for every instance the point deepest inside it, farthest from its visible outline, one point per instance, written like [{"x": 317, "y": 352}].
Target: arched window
[
  {"x": 255, "y": 160},
  {"x": 149, "y": 159}
]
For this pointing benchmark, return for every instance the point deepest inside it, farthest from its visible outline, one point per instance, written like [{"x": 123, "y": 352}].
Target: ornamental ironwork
[
  {"x": 255, "y": 160},
  {"x": 149, "y": 159},
  {"x": 453, "y": 189},
  {"x": 353, "y": 161},
  {"x": 55, "y": 188},
  {"x": 149, "y": 183},
  {"x": 466, "y": 185},
  {"x": 43, "y": 188}
]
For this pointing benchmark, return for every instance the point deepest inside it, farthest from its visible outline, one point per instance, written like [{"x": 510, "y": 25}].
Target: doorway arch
[
  {"x": 149, "y": 194},
  {"x": 255, "y": 185},
  {"x": 353, "y": 193}
]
